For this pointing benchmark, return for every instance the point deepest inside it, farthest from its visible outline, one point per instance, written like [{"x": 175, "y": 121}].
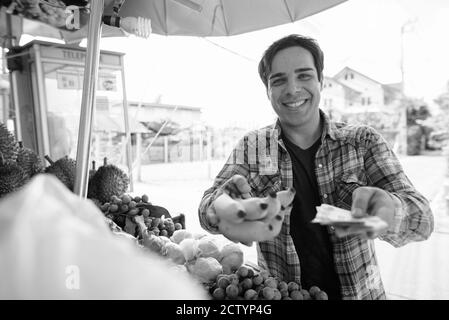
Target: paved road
[{"x": 415, "y": 271}]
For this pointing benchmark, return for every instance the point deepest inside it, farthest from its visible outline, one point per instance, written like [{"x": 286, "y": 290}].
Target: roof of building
[
  {"x": 345, "y": 69},
  {"x": 344, "y": 85}
]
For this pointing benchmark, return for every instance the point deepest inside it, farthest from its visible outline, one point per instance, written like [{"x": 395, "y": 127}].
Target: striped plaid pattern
[{"x": 349, "y": 157}]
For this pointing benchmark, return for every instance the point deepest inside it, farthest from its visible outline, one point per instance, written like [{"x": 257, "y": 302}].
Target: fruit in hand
[{"x": 248, "y": 231}]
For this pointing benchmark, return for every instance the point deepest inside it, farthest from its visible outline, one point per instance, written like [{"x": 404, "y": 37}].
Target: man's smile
[{"x": 295, "y": 104}]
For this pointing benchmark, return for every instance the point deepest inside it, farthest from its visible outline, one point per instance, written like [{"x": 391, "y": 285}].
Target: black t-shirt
[{"x": 311, "y": 240}]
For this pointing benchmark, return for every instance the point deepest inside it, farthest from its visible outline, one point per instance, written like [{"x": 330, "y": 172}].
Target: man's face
[{"x": 293, "y": 86}]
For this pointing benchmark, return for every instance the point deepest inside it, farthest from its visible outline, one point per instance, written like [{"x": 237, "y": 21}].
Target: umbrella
[{"x": 204, "y": 18}]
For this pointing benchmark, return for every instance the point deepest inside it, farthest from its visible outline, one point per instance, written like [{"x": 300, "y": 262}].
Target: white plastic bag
[{"x": 55, "y": 245}]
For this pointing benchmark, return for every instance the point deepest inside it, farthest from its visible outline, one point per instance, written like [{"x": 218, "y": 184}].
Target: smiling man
[{"x": 351, "y": 167}]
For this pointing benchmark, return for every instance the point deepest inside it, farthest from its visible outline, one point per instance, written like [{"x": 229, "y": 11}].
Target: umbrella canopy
[
  {"x": 204, "y": 18},
  {"x": 199, "y": 18}
]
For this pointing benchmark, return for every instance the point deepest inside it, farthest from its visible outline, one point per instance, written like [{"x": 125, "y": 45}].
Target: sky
[{"x": 219, "y": 74}]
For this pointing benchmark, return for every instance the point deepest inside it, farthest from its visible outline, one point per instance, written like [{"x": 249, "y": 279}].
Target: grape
[
  {"x": 293, "y": 286},
  {"x": 283, "y": 286},
  {"x": 284, "y": 293},
  {"x": 219, "y": 293},
  {"x": 306, "y": 294},
  {"x": 258, "y": 280},
  {"x": 145, "y": 198},
  {"x": 250, "y": 273},
  {"x": 247, "y": 283},
  {"x": 242, "y": 272},
  {"x": 233, "y": 279},
  {"x": 287, "y": 298},
  {"x": 126, "y": 199},
  {"x": 105, "y": 206},
  {"x": 314, "y": 290},
  {"x": 137, "y": 199},
  {"x": 321, "y": 296},
  {"x": 250, "y": 294},
  {"x": 133, "y": 211},
  {"x": 268, "y": 293},
  {"x": 116, "y": 200},
  {"x": 146, "y": 213},
  {"x": 296, "y": 295},
  {"x": 124, "y": 207},
  {"x": 223, "y": 282},
  {"x": 113, "y": 208},
  {"x": 178, "y": 226},
  {"x": 277, "y": 294},
  {"x": 271, "y": 282},
  {"x": 163, "y": 233},
  {"x": 265, "y": 274},
  {"x": 232, "y": 291}
]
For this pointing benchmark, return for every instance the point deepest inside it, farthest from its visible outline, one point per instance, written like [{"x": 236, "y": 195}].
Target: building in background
[{"x": 354, "y": 97}]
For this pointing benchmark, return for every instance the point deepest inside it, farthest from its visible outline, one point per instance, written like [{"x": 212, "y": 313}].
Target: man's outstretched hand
[{"x": 370, "y": 201}]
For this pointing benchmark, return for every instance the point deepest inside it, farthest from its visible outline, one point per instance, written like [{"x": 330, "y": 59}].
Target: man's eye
[
  {"x": 277, "y": 82},
  {"x": 304, "y": 76}
]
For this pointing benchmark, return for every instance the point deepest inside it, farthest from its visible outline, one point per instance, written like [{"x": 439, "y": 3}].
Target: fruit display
[
  {"x": 64, "y": 169},
  {"x": 107, "y": 181},
  {"x": 29, "y": 161},
  {"x": 124, "y": 210},
  {"x": 247, "y": 283},
  {"x": 199, "y": 255},
  {"x": 17, "y": 163},
  {"x": 253, "y": 219},
  {"x": 12, "y": 176},
  {"x": 8, "y": 145}
]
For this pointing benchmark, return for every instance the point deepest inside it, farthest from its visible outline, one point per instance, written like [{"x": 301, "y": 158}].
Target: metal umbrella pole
[
  {"x": 88, "y": 98},
  {"x": 11, "y": 42}
]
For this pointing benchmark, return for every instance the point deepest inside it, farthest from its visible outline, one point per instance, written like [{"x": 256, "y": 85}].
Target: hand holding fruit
[{"x": 243, "y": 219}]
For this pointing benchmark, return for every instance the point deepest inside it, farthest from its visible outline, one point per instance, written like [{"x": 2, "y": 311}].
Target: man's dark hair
[{"x": 293, "y": 40}]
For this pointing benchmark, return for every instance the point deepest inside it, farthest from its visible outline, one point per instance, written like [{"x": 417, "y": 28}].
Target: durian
[
  {"x": 29, "y": 161},
  {"x": 12, "y": 177},
  {"x": 64, "y": 169},
  {"x": 8, "y": 144},
  {"x": 109, "y": 180}
]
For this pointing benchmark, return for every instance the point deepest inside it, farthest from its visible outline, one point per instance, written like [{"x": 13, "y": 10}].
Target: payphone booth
[{"x": 49, "y": 93}]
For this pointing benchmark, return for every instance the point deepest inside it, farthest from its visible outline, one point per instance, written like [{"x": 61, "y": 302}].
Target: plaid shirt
[{"x": 349, "y": 157}]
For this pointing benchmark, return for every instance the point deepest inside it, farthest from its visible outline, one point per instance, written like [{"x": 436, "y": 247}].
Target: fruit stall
[
  {"x": 220, "y": 269},
  {"x": 71, "y": 228}
]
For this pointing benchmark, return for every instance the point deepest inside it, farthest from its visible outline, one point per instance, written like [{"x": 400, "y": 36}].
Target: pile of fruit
[
  {"x": 222, "y": 271},
  {"x": 18, "y": 164},
  {"x": 197, "y": 254},
  {"x": 123, "y": 210},
  {"x": 249, "y": 284}
]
